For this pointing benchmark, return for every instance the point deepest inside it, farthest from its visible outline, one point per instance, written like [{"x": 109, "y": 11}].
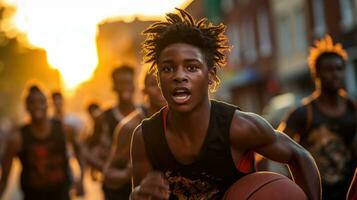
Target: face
[
  {"x": 57, "y": 102},
  {"x": 37, "y": 106},
  {"x": 152, "y": 90},
  {"x": 331, "y": 73},
  {"x": 124, "y": 85},
  {"x": 94, "y": 112},
  {"x": 184, "y": 76}
]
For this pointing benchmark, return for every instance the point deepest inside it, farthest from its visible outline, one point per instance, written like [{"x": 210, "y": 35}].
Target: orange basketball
[{"x": 264, "y": 185}]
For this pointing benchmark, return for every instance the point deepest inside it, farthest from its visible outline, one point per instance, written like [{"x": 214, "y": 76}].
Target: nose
[{"x": 180, "y": 75}]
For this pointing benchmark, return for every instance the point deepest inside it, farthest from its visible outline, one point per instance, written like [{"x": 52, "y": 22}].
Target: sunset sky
[{"x": 66, "y": 29}]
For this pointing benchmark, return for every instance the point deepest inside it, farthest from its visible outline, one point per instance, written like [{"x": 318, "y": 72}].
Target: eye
[
  {"x": 167, "y": 68},
  {"x": 192, "y": 68}
]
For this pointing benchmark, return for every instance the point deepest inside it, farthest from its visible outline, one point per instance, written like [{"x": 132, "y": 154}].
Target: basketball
[{"x": 265, "y": 185}]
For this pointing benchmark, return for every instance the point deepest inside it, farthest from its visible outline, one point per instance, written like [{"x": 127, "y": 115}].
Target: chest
[
  {"x": 185, "y": 151},
  {"x": 343, "y": 126}
]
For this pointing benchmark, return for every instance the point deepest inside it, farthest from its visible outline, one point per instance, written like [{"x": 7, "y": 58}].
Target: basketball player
[
  {"x": 326, "y": 122},
  {"x": 117, "y": 171},
  {"x": 97, "y": 153},
  {"x": 41, "y": 147},
  {"x": 195, "y": 148}
]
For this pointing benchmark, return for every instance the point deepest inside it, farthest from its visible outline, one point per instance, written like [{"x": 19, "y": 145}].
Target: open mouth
[{"x": 181, "y": 95}]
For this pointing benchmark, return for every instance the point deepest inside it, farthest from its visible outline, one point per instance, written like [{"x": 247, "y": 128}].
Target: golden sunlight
[{"x": 66, "y": 29}]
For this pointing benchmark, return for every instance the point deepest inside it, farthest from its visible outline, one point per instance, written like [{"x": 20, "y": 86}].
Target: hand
[{"x": 152, "y": 187}]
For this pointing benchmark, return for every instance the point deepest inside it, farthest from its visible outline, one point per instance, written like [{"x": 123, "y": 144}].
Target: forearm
[
  {"x": 95, "y": 162},
  {"x": 115, "y": 177},
  {"x": 92, "y": 158},
  {"x": 306, "y": 174},
  {"x": 81, "y": 164}
]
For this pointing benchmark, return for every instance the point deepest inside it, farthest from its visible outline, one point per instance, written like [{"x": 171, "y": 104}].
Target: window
[
  {"x": 227, "y": 6},
  {"x": 346, "y": 10},
  {"x": 265, "y": 47},
  {"x": 319, "y": 17},
  {"x": 284, "y": 29},
  {"x": 233, "y": 34},
  {"x": 300, "y": 25},
  {"x": 248, "y": 41}
]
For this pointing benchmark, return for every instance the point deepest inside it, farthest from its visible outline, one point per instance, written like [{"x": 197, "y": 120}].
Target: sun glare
[{"x": 66, "y": 29}]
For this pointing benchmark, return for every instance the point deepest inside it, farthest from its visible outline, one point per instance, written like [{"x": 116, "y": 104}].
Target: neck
[
  {"x": 40, "y": 126},
  {"x": 126, "y": 106},
  {"x": 152, "y": 109},
  {"x": 190, "y": 123},
  {"x": 329, "y": 97},
  {"x": 58, "y": 114}
]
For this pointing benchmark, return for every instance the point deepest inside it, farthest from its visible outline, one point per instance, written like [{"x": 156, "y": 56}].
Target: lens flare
[{"x": 66, "y": 29}]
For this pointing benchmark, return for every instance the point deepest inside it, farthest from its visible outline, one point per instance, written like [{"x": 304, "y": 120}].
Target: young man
[
  {"x": 195, "y": 148},
  {"x": 123, "y": 85},
  {"x": 41, "y": 148},
  {"x": 60, "y": 114},
  {"x": 326, "y": 122},
  {"x": 117, "y": 173}
]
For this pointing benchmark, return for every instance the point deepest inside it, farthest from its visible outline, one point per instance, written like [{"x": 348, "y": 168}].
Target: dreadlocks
[
  {"x": 324, "y": 48},
  {"x": 181, "y": 27}
]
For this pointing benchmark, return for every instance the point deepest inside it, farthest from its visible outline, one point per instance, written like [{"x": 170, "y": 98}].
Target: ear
[{"x": 212, "y": 75}]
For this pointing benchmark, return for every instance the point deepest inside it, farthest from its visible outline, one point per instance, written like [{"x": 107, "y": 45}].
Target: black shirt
[
  {"x": 329, "y": 140},
  {"x": 44, "y": 161},
  {"x": 210, "y": 175}
]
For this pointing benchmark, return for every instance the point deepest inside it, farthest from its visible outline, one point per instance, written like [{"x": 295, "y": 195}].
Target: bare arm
[
  {"x": 72, "y": 136},
  {"x": 139, "y": 161},
  {"x": 251, "y": 132},
  {"x": 146, "y": 183},
  {"x": 117, "y": 170},
  {"x": 93, "y": 150},
  {"x": 13, "y": 146}
]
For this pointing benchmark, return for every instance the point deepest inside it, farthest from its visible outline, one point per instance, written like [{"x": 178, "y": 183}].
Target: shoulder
[
  {"x": 248, "y": 122},
  {"x": 15, "y": 140},
  {"x": 249, "y": 129},
  {"x": 223, "y": 106},
  {"x": 128, "y": 124},
  {"x": 137, "y": 138},
  {"x": 297, "y": 115},
  {"x": 155, "y": 120}
]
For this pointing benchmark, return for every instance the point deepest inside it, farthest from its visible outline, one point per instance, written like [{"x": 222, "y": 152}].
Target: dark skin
[
  {"x": 59, "y": 114},
  {"x": 40, "y": 126},
  {"x": 123, "y": 85},
  {"x": 117, "y": 172},
  {"x": 329, "y": 82},
  {"x": 182, "y": 65},
  {"x": 58, "y": 107}
]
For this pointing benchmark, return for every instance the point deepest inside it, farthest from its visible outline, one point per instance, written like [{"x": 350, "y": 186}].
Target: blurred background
[{"x": 72, "y": 47}]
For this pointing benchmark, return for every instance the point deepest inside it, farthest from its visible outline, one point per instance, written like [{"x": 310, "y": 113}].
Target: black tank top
[
  {"x": 44, "y": 161},
  {"x": 330, "y": 141},
  {"x": 213, "y": 171}
]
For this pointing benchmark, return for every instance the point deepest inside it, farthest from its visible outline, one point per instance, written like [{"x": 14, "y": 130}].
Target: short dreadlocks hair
[
  {"x": 181, "y": 27},
  {"x": 324, "y": 48}
]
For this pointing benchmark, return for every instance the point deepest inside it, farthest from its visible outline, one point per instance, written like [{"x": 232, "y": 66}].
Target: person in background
[
  {"x": 325, "y": 123},
  {"x": 41, "y": 147},
  {"x": 117, "y": 173},
  {"x": 98, "y": 152}
]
